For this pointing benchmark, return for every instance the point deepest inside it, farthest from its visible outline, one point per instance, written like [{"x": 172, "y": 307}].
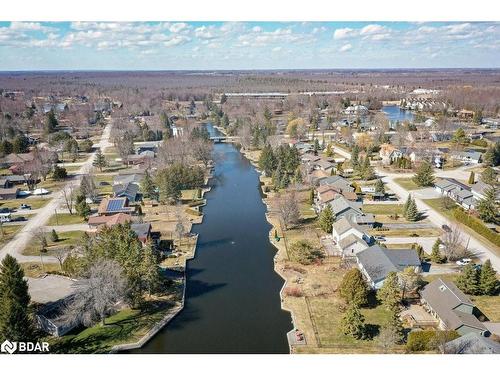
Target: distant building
[{"x": 111, "y": 206}]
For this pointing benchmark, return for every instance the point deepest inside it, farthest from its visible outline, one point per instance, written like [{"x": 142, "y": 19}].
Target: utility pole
[{"x": 57, "y": 220}]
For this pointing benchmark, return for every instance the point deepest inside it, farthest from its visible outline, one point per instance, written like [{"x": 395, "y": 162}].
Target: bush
[
  {"x": 419, "y": 341},
  {"x": 293, "y": 292},
  {"x": 59, "y": 173},
  {"x": 476, "y": 225},
  {"x": 305, "y": 253},
  {"x": 480, "y": 142}
]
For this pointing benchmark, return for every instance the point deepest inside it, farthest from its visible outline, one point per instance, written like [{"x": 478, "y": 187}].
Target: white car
[{"x": 464, "y": 261}]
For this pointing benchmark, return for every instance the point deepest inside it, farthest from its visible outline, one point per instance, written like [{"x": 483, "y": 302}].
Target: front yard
[
  {"x": 66, "y": 239},
  {"x": 407, "y": 183}
]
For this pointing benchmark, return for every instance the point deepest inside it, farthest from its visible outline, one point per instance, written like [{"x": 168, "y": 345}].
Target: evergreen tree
[
  {"x": 487, "y": 207},
  {"x": 148, "y": 186},
  {"x": 298, "y": 176},
  {"x": 492, "y": 156},
  {"x": 395, "y": 325},
  {"x": 15, "y": 320},
  {"x": 424, "y": 175},
  {"x": 316, "y": 146},
  {"x": 420, "y": 251},
  {"x": 353, "y": 322},
  {"x": 390, "y": 293},
  {"x": 379, "y": 187},
  {"x": 436, "y": 255},
  {"x": 99, "y": 160},
  {"x": 355, "y": 156},
  {"x": 267, "y": 160},
  {"x": 472, "y": 177},
  {"x": 53, "y": 236},
  {"x": 412, "y": 213},
  {"x": 489, "y": 176},
  {"x": 459, "y": 137},
  {"x": 353, "y": 288},
  {"x": 150, "y": 271},
  {"x": 407, "y": 205},
  {"x": 468, "y": 280},
  {"x": 311, "y": 197},
  {"x": 51, "y": 122},
  {"x": 83, "y": 208},
  {"x": 326, "y": 219},
  {"x": 488, "y": 281}
]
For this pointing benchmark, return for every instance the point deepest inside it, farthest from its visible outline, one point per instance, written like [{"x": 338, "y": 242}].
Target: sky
[{"x": 247, "y": 45}]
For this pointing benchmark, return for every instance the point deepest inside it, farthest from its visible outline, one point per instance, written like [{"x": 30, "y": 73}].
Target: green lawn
[
  {"x": 66, "y": 239},
  {"x": 65, "y": 219},
  {"x": 407, "y": 183}
]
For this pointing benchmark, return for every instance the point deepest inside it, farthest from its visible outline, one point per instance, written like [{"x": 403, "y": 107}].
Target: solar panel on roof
[{"x": 115, "y": 205}]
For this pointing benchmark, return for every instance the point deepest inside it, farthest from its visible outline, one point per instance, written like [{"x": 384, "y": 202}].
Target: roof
[
  {"x": 327, "y": 196},
  {"x": 114, "y": 205},
  {"x": 18, "y": 158},
  {"x": 111, "y": 220},
  {"x": 337, "y": 181},
  {"x": 340, "y": 204},
  {"x": 446, "y": 182},
  {"x": 472, "y": 343},
  {"x": 364, "y": 219},
  {"x": 129, "y": 190},
  {"x": 350, "y": 195},
  {"x": 9, "y": 191},
  {"x": 474, "y": 155},
  {"x": 351, "y": 239},
  {"x": 343, "y": 224},
  {"x": 325, "y": 188},
  {"x": 141, "y": 229},
  {"x": 443, "y": 297},
  {"x": 378, "y": 261}
]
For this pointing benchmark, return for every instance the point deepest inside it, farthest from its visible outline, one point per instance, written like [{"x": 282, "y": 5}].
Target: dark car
[
  {"x": 446, "y": 228},
  {"x": 25, "y": 206}
]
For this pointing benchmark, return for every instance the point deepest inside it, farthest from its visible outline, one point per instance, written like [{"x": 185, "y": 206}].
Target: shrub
[
  {"x": 476, "y": 225},
  {"x": 419, "y": 341},
  {"x": 293, "y": 292},
  {"x": 480, "y": 142}
]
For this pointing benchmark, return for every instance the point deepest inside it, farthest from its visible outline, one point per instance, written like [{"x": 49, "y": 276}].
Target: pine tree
[
  {"x": 436, "y": 255},
  {"x": 487, "y": 207},
  {"x": 489, "y": 176},
  {"x": 326, "y": 219},
  {"x": 379, "y": 187},
  {"x": 353, "y": 322},
  {"x": 53, "y": 236},
  {"x": 472, "y": 177},
  {"x": 412, "y": 213},
  {"x": 488, "y": 281},
  {"x": 407, "y": 205},
  {"x": 468, "y": 280},
  {"x": 355, "y": 156},
  {"x": 390, "y": 293},
  {"x": 15, "y": 321},
  {"x": 99, "y": 160},
  {"x": 396, "y": 325},
  {"x": 51, "y": 122},
  {"x": 148, "y": 186},
  {"x": 298, "y": 176},
  {"x": 149, "y": 270},
  {"x": 424, "y": 175},
  {"x": 311, "y": 197},
  {"x": 353, "y": 288}
]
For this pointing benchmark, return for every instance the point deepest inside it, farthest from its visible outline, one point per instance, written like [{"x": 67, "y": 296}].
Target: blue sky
[{"x": 247, "y": 45}]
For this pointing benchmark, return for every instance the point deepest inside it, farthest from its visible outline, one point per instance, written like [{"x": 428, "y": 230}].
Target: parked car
[
  {"x": 446, "y": 228},
  {"x": 25, "y": 206},
  {"x": 4, "y": 210},
  {"x": 380, "y": 238},
  {"x": 464, "y": 261}
]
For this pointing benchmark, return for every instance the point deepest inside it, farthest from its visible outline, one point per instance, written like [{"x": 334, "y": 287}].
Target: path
[{"x": 38, "y": 220}]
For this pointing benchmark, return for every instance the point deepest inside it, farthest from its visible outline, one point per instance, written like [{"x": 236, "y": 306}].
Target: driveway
[
  {"x": 15, "y": 246},
  {"x": 50, "y": 288}
]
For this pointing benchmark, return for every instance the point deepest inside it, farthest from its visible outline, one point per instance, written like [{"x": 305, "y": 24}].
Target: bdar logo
[{"x": 8, "y": 347}]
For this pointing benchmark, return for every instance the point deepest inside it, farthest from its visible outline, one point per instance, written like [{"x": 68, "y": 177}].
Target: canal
[{"x": 232, "y": 296}]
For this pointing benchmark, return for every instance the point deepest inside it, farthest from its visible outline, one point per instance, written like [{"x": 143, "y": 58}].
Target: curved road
[
  {"x": 15, "y": 246},
  {"x": 475, "y": 246}
]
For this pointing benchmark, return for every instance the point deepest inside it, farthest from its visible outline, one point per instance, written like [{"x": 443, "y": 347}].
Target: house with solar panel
[{"x": 111, "y": 206}]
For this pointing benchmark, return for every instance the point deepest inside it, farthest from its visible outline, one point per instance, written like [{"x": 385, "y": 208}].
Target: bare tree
[
  {"x": 452, "y": 241},
  {"x": 60, "y": 254},
  {"x": 69, "y": 198},
  {"x": 88, "y": 187},
  {"x": 202, "y": 151},
  {"x": 97, "y": 296},
  {"x": 288, "y": 208},
  {"x": 387, "y": 338}
]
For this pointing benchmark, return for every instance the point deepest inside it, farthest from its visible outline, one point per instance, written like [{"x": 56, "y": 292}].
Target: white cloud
[
  {"x": 178, "y": 27},
  {"x": 30, "y": 26},
  {"x": 344, "y": 33},
  {"x": 345, "y": 47}
]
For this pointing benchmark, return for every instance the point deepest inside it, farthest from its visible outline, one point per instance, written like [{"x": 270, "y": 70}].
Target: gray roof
[
  {"x": 130, "y": 190},
  {"x": 340, "y": 205},
  {"x": 350, "y": 239},
  {"x": 447, "y": 182},
  {"x": 141, "y": 229},
  {"x": 474, "y": 155},
  {"x": 379, "y": 261},
  {"x": 364, "y": 219},
  {"x": 337, "y": 181},
  {"x": 472, "y": 343},
  {"x": 343, "y": 224},
  {"x": 443, "y": 297}
]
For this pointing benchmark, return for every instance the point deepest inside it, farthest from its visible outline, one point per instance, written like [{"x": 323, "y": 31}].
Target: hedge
[
  {"x": 420, "y": 341},
  {"x": 476, "y": 225}
]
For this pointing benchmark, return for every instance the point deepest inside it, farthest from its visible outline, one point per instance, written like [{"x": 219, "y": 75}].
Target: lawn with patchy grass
[
  {"x": 7, "y": 232},
  {"x": 66, "y": 239},
  {"x": 407, "y": 183},
  {"x": 34, "y": 202},
  {"x": 383, "y": 209},
  {"x": 65, "y": 219},
  {"x": 410, "y": 232},
  {"x": 489, "y": 306},
  {"x": 35, "y": 269}
]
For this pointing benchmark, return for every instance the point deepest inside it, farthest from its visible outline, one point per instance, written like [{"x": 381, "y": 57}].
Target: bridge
[{"x": 223, "y": 138}]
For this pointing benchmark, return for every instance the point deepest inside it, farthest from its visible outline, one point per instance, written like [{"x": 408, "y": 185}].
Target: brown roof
[
  {"x": 18, "y": 158},
  {"x": 324, "y": 188},
  {"x": 350, "y": 195},
  {"x": 328, "y": 196},
  {"x": 120, "y": 218},
  {"x": 9, "y": 191}
]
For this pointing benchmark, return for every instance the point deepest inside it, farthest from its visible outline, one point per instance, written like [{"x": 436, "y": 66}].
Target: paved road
[
  {"x": 23, "y": 238},
  {"x": 477, "y": 248}
]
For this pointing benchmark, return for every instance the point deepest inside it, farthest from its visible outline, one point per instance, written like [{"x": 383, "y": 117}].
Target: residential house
[
  {"x": 479, "y": 190},
  {"x": 50, "y": 318},
  {"x": 377, "y": 262},
  {"x": 349, "y": 236},
  {"x": 339, "y": 182},
  {"x": 129, "y": 190},
  {"x": 111, "y": 220},
  {"x": 472, "y": 343},
  {"x": 453, "y": 309},
  {"x": 323, "y": 165},
  {"x": 365, "y": 220},
  {"x": 9, "y": 193},
  {"x": 111, "y": 206},
  {"x": 18, "y": 160},
  {"x": 388, "y": 153},
  {"x": 144, "y": 233},
  {"x": 123, "y": 179},
  {"x": 457, "y": 191},
  {"x": 467, "y": 157},
  {"x": 343, "y": 207},
  {"x": 356, "y": 110}
]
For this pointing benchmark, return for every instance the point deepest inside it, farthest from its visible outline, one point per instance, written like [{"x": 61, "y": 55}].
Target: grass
[
  {"x": 407, "y": 183},
  {"x": 34, "y": 269},
  {"x": 7, "y": 232},
  {"x": 383, "y": 209},
  {"x": 126, "y": 326},
  {"x": 65, "y": 219},
  {"x": 34, "y": 202},
  {"x": 422, "y": 232},
  {"x": 66, "y": 239},
  {"x": 489, "y": 306}
]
